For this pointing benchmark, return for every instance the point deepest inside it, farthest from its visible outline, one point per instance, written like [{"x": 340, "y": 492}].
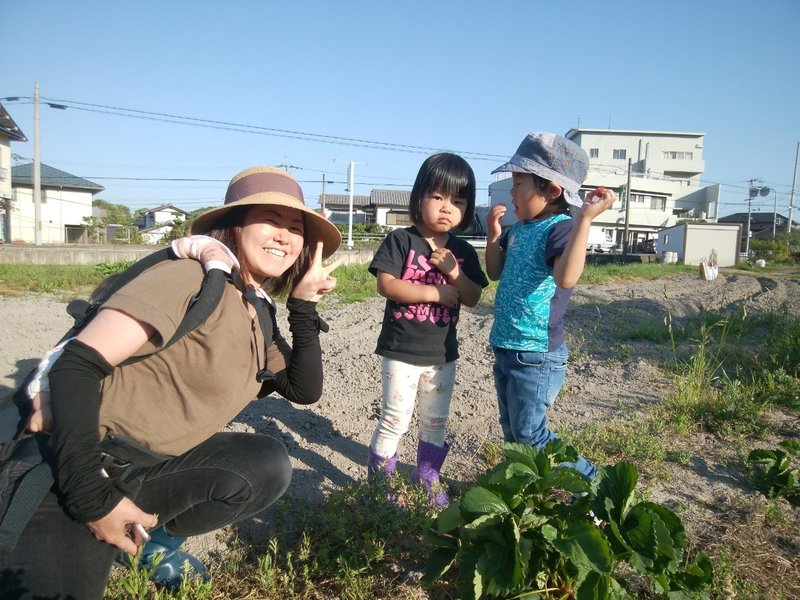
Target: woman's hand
[
  {"x": 118, "y": 527},
  {"x": 41, "y": 417},
  {"x": 207, "y": 250},
  {"x": 318, "y": 280}
]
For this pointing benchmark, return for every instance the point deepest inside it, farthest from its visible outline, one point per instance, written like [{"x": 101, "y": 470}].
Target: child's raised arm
[
  {"x": 569, "y": 265},
  {"x": 494, "y": 254}
]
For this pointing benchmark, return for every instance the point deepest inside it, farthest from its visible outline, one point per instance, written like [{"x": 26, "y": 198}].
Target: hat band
[{"x": 257, "y": 183}]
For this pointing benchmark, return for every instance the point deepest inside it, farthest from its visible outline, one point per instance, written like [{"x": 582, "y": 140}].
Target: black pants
[{"x": 228, "y": 478}]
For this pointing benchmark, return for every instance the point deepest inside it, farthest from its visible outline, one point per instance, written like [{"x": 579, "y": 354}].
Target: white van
[{"x": 599, "y": 241}]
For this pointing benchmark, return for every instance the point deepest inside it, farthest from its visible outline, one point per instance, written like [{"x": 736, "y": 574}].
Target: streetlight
[{"x": 764, "y": 191}]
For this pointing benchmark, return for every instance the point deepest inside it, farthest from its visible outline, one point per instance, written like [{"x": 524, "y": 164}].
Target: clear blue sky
[{"x": 468, "y": 76}]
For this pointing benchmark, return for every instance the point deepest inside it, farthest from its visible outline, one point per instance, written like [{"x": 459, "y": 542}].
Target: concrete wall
[{"x": 92, "y": 255}]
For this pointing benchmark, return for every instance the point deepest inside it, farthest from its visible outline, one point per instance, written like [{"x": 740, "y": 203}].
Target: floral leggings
[{"x": 403, "y": 383}]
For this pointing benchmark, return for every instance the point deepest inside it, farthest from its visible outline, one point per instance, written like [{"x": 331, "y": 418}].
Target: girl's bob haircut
[{"x": 448, "y": 174}]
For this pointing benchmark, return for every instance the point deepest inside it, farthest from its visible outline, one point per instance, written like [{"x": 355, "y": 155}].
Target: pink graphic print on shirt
[{"x": 419, "y": 271}]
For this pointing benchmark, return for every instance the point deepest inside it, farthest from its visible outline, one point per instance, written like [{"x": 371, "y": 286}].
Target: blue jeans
[
  {"x": 527, "y": 384},
  {"x": 227, "y": 478}
]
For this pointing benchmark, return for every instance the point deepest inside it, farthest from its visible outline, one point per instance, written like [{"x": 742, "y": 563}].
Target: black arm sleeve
[
  {"x": 75, "y": 401},
  {"x": 301, "y": 380}
]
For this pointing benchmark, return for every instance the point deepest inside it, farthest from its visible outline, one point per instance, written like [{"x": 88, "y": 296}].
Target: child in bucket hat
[{"x": 538, "y": 261}]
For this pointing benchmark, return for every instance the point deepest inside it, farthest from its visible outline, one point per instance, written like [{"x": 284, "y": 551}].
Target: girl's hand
[
  {"x": 207, "y": 250},
  {"x": 448, "y": 295},
  {"x": 493, "y": 218},
  {"x": 41, "y": 417},
  {"x": 117, "y": 527},
  {"x": 594, "y": 205},
  {"x": 443, "y": 259},
  {"x": 317, "y": 281}
]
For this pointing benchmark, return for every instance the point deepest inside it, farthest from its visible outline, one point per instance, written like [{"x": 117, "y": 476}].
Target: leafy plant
[
  {"x": 771, "y": 471},
  {"x": 512, "y": 536}
]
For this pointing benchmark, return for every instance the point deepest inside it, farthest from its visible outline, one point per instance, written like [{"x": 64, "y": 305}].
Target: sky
[{"x": 168, "y": 99}]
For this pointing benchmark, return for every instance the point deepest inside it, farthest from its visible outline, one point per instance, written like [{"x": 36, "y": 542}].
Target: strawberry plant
[
  {"x": 771, "y": 471},
  {"x": 512, "y": 534}
]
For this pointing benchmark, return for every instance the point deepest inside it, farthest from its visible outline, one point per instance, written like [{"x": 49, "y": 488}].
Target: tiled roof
[
  {"x": 52, "y": 177},
  {"x": 390, "y": 198},
  {"x": 9, "y": 128},
  {"x": 759, "y": 218},
  {"x": 343, "y": 201}
]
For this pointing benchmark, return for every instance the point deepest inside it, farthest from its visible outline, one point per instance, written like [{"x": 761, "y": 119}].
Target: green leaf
[
  {"x": 449, "y": 519},
  {"x": 615, "y": 483},
  {"x": 566, "y": 478},
  {"x": 697, "y": 576},
  {"x": 438, "y": 563},
  {"x": 596, "y": 586},
  {"x": 586, "y": 546},
  {"x": 479, "y": 500},
  {"x": 791, "y": 446},
  {"x": 651, "y": 539}
]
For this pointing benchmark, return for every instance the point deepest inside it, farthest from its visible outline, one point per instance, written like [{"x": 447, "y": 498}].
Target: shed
[{"x": 694, "y": 242}]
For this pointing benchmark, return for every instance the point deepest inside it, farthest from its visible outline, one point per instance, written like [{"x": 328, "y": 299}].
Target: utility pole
[
  {"x": 791, "y": 196},
  {"x": 37, "y": 171},
  {"x": 351, "y": 178},
  {"x": 625, "y": 243},
  {"x": 324, "y": 178},
  {"x": 752, "y": 193}
]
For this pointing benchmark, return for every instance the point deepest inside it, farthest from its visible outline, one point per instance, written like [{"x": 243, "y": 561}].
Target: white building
[
  {"x": 9, "y": 132},
  {"x": 65, "y": 200},
  {"x": 157, "y": 222},
  {"x": 665, "y": 171}
]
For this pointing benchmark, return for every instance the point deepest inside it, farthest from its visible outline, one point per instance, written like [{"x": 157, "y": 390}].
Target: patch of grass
[
  {"x": 354, "y": 283},
  {"x": 16, "y": 278},
  {"x": 632, "y": 440}
]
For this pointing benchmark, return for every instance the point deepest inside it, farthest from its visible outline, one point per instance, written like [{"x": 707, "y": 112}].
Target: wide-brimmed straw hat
[{"x": 270, "y": 186}]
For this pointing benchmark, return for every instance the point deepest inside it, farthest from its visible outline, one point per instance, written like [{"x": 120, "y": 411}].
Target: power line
[{"x": 256, "y": 129}]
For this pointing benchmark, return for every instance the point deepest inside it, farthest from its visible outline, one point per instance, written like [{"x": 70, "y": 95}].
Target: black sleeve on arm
[
  {"x": 75, "y": 402},
  {"x": 301, "y": 380}
]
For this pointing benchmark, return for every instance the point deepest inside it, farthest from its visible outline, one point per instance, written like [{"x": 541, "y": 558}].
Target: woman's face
[{"x": 272, "y": 238}]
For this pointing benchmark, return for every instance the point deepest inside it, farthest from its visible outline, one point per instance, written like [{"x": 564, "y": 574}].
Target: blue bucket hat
[{"x": 553, "y": 158}]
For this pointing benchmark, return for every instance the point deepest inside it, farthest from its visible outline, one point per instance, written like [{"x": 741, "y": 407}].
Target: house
[
  {"x": 384, "y": 207},
  {"x": 9, "y": 132},
  {"x": 665, "y": 170},
  {"x": 66, "y": 200},
  {"x": 760, "y": 224},
  {"x": 694, "y": 242},
  {"x": 156, "y": 222}
]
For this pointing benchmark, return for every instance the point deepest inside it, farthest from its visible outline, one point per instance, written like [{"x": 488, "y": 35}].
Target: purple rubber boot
[
  {"x": 429, "y": 462},
  {"x": 378, "y": 463}
]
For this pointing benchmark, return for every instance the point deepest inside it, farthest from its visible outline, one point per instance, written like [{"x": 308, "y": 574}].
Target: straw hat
[{"x": 270, "y": 186}]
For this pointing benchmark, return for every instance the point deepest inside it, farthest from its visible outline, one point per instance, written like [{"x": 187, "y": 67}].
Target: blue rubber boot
[
  {"x": 174, "y": 564},
  {"x": 429, "y": 463}
]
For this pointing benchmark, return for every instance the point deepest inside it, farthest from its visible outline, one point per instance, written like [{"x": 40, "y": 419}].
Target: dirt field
[{"x": 607, "y": 380}]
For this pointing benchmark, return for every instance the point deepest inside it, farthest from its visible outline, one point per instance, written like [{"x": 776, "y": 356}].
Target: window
[
  {"x": 594, "y": 152},
  {"x": 674, "y": 155},
  {"x": 398, "y": 218},
  {"x": 620, "y": 154},
  {"x": 657, "y": 203}
]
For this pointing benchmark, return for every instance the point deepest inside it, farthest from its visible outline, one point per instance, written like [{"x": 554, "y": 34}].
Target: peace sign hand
[{"x": 318, "y": 280}]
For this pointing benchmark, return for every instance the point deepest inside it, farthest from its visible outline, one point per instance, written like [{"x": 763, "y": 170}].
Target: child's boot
[
  {"x": 429, "y": 462},
  {"x": 378, "y": 463},
  {"x": 174, "y": 564}
]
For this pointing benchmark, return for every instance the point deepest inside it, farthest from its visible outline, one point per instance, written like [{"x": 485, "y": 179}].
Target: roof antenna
[{"x": 609, "y": 122}]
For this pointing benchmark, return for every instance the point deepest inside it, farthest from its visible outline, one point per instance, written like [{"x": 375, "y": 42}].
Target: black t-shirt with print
[{"x": 423, "y": 333}]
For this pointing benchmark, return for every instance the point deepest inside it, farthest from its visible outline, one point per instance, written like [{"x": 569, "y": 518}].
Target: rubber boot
[
  {"x": 378, "y": 463},
  {"x": 429, "y": 462},
  {"x": 174, "y": 564}
]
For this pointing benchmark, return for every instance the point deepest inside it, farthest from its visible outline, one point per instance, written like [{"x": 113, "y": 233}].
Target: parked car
[{"x": 599, "y": 241}]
